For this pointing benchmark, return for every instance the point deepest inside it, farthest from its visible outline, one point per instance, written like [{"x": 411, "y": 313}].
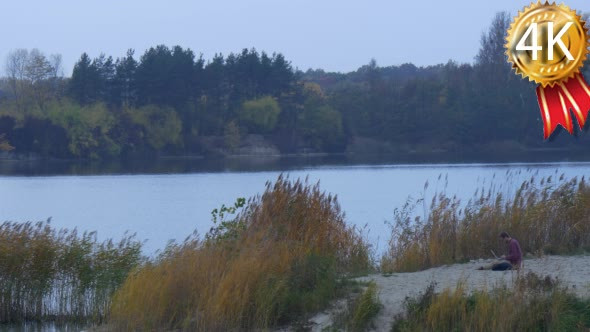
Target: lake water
[{"x": 160, "y": 207}]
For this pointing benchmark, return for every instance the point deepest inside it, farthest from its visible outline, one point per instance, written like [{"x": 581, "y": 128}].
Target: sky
[{"x": 334, "y": 35}]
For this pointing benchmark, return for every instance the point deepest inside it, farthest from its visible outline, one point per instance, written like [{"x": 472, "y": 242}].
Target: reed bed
[
  {"x": 282, "y": 256},
  {"x": 534, "y": 304},
  {"x": 60, "y": 275},
  {"x": 546, "y": 215}
]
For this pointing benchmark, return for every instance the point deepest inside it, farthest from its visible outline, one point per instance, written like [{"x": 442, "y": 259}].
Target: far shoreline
[{"x": 18, "y": 165}]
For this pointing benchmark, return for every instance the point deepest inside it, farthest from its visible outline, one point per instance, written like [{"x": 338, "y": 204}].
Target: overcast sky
[{"x": 336, "y": 35}]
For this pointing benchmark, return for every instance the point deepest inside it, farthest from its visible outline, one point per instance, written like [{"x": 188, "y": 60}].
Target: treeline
[
  {"x": 482, "y": 106},
  {"x": 165, "y": 102},
  {"x": 171, "y": 101}
]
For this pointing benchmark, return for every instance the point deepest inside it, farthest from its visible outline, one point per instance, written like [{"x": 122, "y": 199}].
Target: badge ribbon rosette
[{"x": 548, "y": 43}]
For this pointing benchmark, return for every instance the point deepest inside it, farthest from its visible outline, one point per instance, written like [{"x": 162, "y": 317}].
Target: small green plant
[
  {"x": 226, "y": 229},
  {"x": 365, "y": 308},
  {"x": 361, "y": 307}
]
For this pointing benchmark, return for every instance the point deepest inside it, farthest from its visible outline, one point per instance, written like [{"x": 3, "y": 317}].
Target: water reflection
[{"x": 180, "y": 165}]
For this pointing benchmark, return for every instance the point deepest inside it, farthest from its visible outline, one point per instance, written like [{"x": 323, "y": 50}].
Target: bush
[
  {"x": 279, "y": 259},
  {"x": 4, "y": 145},
  {"x": 535, "y": 304},
  {"x": 160, "y": 126},
  {"x": 260, "y": 115},
  {"x": 88, "y": 128}
]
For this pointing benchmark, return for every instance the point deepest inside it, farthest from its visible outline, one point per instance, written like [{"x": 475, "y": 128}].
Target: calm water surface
[{"x": 162, "y": 207}]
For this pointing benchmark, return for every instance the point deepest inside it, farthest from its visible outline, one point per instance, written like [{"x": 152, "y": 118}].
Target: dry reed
[
  {"x": 282, "y": 257},
  {"x": 534, "y": 304},
  {"x": 47, "y": 274},
  {"x": 545, "y": 217}
]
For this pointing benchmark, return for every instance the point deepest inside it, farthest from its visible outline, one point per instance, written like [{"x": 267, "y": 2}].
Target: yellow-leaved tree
[{"x": 4, "y": 145}]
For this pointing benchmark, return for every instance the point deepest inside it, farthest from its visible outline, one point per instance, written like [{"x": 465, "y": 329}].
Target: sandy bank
[{"x": 572, "y": 271}]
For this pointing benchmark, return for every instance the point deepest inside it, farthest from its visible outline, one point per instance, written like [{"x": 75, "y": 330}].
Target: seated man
[{"x": 512, "y": 261}]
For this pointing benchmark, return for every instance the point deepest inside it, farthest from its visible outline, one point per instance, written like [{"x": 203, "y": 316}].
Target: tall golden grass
[
  {"x": 534, "y": 304},
  {"x": 46, "y": 274},
  {"x": 544, "y": 215},
  {"x": 277, "y": 260}
]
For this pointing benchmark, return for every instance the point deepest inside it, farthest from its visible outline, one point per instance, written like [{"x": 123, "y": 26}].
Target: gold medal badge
[{"x": 548, "y": 43}]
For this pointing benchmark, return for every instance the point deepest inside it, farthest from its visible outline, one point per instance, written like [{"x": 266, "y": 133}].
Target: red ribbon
[{"x": 557, "y": 101}]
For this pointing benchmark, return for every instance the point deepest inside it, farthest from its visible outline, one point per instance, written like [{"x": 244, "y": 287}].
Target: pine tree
[
  {"x": 124, "y": 90},
  {"x": 82, "y": 85}
]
